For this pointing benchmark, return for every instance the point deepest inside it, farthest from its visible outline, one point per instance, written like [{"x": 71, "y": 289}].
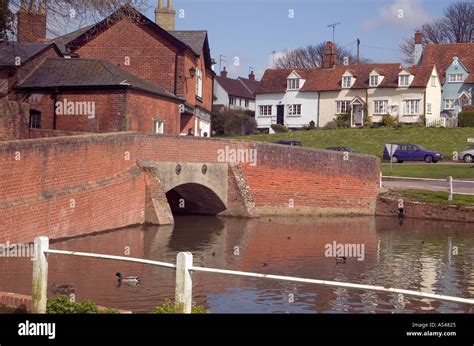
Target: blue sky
[{"x": 251, "y": 29}]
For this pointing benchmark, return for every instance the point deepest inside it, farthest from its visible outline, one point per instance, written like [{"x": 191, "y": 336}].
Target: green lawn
[
  {"x": 435, "y": 197},
  {"x": 372, "y": 141},
  {"x": 429, "y": 170}
]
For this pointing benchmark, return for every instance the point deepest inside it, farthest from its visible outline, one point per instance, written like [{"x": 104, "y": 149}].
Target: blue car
[{"x": 412, "y": 152}]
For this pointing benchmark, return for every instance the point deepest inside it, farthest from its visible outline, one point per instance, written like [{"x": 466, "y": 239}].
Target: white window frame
[
  {"x": 380, "y": 107},
  {"x": 340, "y": 105},
  {"x": 429, "y": 109},
  {"x": 294, "y": 110},
  {"x": 433, "y": 81},
  {"x": 199, "y": 82},
  {"x": 265, "y": 110},
  {"x": 411, "y": 107},
  {"x": 161, "y": 126},
  {"x": 346, "y": 81},
  {"x": 453, "y": 101},
  {"x": 293, "y": 84},
  {"x": 455, "y": 78},
  {"x": 403, "y": 78},
  {"x": 373, "y": 78}
]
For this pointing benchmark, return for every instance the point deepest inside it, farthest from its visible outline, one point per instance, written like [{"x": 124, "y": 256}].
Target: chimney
[
  {"x": 329, "y": 55},
  {"x": 224, "y": 73},
  {"x": 165, "y": 16},
  {"x": 31, "y": 21},
  {"x": 251, "y": 75},
  {"x": 418, "y": 47}
]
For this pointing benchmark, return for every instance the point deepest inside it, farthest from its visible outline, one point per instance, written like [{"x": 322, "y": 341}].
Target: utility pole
[
  {"x": 333, "y": 29},
  {"x": 358, "y": 56},
  {"x": 221, "y": 59}
]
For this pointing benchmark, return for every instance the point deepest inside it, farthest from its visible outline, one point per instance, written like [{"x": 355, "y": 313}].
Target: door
[
  {"x": 280, "y": 114},
  {"x": 402, "y": 153},
  {"x": 358, "y": 114}
]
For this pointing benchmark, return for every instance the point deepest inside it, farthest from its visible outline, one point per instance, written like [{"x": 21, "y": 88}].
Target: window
[
  {"x": 412, "y": 107},
  {"x": 433, "y": 81},
  {"x": 198, "y": 82},
  {"x": 293, "y": 84},
  {"x": 342, "y": 107},
  {"x": 381, "y": 107},
  {"x": 232, "y": 101},
  {"x": 374, "y": 80},
  {"x": 455, "y": 78},
  {"x": 428, "y": 108},
  {"x": 246, "y": 103},
  {"x": 35, "y": 119},
  {"x": 403, "y": 80},
  {"x": 346, "y": 81},
  {"x": 294, "y": 110},
  {"x": 265, "y": 110},
  {"x": 158, "y": 126},
  {"x": 449, "y": 103}
]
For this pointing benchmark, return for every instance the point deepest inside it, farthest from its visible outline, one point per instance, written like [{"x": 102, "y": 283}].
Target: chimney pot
[
  {"x": 224, "y": 73},
  {"x": 329, "y": 55},
  {"x": 165, "y": 16},
  {"x": 418, "y": 37},
  {"x": 251, "y": 75}
]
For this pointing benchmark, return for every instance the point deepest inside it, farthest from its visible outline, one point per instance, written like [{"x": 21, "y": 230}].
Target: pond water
[{"x": 431, "y": 256}]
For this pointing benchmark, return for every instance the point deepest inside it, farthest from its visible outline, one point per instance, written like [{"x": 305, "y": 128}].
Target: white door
[{"x": 358, "y": 112}]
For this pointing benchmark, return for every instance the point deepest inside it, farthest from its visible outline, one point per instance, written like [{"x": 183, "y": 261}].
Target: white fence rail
[{"x": 184, "y": 268}]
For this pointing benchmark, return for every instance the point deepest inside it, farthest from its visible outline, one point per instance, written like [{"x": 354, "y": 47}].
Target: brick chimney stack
[
  {"x": 251, "y": 75},
  {"x": 165, "y": 16},
  {"x": 224, "y": 73},
  {"x": 329, "y": 55},
  {"x": 418, "y": 47},
  {"x": 31, "y": 21}
]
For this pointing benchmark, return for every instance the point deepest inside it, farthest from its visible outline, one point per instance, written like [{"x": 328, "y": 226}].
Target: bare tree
[
  {"x": 67, "y": 15},
  {"x": 312, "y": 56},
  {"x": 457, "y": 26}
]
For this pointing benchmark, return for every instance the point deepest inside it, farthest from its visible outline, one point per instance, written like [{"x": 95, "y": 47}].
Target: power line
[{"x": 383, "y": 48}]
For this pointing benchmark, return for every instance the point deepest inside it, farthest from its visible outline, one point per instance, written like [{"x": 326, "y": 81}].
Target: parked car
[
  {"x": 412, "y": 152},
  {"x": 289, "y": 142},
  {"x": 467, "y": 155},
  {"x": 341, "y": 148}
]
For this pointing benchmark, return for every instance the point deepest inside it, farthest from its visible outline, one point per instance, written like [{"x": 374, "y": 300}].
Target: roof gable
[
  {"x": 234, "y": 87},
  {"x": 10, "y": 52}
]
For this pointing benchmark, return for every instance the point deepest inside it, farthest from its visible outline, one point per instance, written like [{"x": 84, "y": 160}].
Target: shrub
[
  {"x": 466, "y": 118},
  {"x": 63, "y": 305},
  {"x": 342, "y": 119},
  {"x": 233, "y": 123},
  {"x": 331, "y": 125},
  {"x": 388, "y": 120},
  {"x": 278, "y": 128},
  {"x": 312, "y": 125},
  {"x": 368, "y": 121},
  {"x": 168, "y": 308}
]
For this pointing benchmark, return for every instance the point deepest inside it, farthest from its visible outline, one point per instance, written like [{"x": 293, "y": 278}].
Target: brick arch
[{"x": 194, "y": 198}]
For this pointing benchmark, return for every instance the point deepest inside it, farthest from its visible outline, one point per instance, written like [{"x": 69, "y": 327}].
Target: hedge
[{"x": 466, "y": 119}]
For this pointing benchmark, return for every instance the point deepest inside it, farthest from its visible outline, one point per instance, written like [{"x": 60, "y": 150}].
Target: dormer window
[
  {"x": 374, "y": 80},
  {"x": 346, "y": 81},
  {"x": 293, "y": 84},
  {"x": 403, "y": 80},
  {"x": 455, "y": 78}
]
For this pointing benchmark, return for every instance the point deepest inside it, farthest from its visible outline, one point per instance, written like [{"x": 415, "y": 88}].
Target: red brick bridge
[{"x": 69, "y": 186}]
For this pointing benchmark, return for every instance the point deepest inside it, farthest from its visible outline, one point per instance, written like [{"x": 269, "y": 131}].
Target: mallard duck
[
  {"x": 128, "y": 279},
  {"x": 341, "y": 259}
]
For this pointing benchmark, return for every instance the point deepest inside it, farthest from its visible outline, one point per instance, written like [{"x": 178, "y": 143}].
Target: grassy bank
[
  {"x": 429, "y": 170},
  {"x": 435, "y": 197},
  {"x": 372, "y": 141}
]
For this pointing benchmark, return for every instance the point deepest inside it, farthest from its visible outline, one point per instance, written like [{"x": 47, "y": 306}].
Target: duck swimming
[{"x": 127, "y": 279}]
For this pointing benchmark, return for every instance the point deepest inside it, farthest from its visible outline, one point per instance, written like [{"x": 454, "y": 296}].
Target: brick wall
[
  {"x": 14, "y": 120},
  {"x": 68, "y": 186}
]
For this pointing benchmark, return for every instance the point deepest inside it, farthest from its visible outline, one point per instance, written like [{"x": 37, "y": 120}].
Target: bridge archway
[{"x": 194, "y": 199}]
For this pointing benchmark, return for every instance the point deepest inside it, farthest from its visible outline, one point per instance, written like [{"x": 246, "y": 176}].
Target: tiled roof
[
  {"x": 442, "y": 55},
  {"x": 316, "y": 79},
  {"x": 62, "y": 41},
  {"x": 10, "y": 51},
  {"x": 234, "y": 87},
  {"x": 193, "y": 39},
  {"x": 73, "y": 73},
  {"x": 251, "y": 84}
]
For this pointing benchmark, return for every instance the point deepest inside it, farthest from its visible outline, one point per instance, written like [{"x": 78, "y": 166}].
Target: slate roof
[
  {"x": 234, "y": 87},
  {"x": 62, "y": 41},
  {"x": 25, "y": 51},
  {"x": 86, "y": 73},
  {"x": 442, "y": 55},
  {"x": 193, "y": 39},
  {"x": 317, "y": 79}
]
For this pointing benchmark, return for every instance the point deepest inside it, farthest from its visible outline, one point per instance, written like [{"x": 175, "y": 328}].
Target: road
[{"x": 428, "y": 185}]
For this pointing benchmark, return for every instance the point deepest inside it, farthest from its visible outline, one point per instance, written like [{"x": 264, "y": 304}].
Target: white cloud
[{"x": 401, "y": 13}]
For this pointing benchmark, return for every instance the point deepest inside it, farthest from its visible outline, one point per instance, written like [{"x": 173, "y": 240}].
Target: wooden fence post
[
  {"x": 40, "y": 276},
  {"x": 184, "y": 283}
]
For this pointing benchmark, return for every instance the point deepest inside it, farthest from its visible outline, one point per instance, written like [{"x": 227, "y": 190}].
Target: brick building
[{"x": 136, "y": 75}]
